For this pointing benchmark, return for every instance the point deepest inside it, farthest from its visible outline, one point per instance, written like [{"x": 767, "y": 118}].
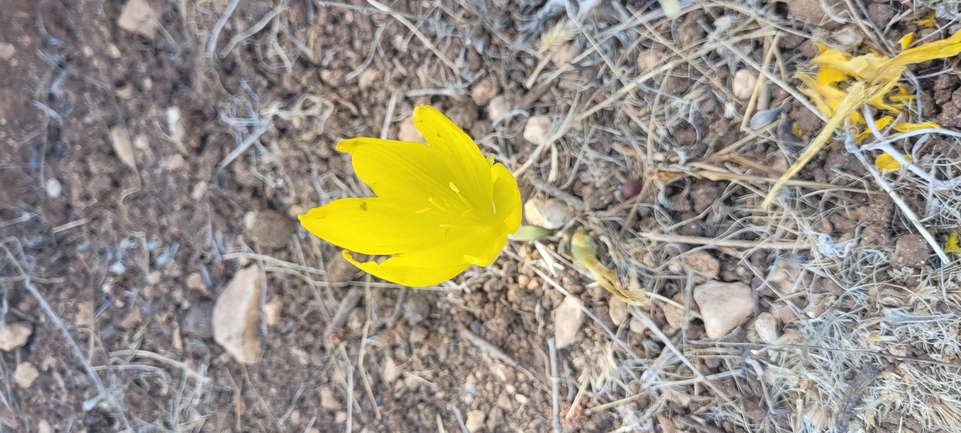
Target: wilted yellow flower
[
  {"x": 585, "y": 254},
  {"x": 439, "y": 207},
  {"x": 867, "y": 79}
]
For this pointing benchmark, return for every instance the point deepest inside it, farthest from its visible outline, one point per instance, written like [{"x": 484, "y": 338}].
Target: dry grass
[{"x": 844, "y": 362}]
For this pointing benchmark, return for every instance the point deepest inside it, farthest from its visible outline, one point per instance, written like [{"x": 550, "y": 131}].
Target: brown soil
[{"x": 131, "y": 257}]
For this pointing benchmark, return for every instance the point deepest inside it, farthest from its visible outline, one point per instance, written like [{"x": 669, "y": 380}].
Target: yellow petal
[
  {"x": 419, "y": 273},
  {"x": 863, "y": 67},
  {"x": 901, "y": 99},
  {"x": 825, "y": 97},
  {"x": 469, "y": 169},
  {"x": 797, "y": 130},
  {"x": 867, "y": 66},
  {"x": 928, "y": 21},
  {"x": 885, "y": 162},
  {"x": 830, "y": 75},
  {"x": 951, "y": 246},
  {"x": 405, "y": 170},
  {"x": 507, "y": 198},
  {"x": 906, "y": 40},
  {"x": 879, "y": 124},
  {"x": 437, "y": 264},
  {"x": 830, "y": 56},
  {"x": 883, "y": 122},
  {"x": 930, "y": 51},
  {"x": 908, "y": 127},
  {"x": 880, "y": 103},
  {"x": 376, "y": 225}
]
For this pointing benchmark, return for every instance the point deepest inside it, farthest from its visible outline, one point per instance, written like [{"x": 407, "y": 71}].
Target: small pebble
[
  {"x": 14, "y": 335},
  {"x": 390, "y": 372},
  {"x": 417, "y": 308},
  {"x": 630, "y": 188},
  {"x": 744, "y": 83},
  {"x": 475, "y": 420},
  {"x": 483, "y": 91},
  {"x": 53, "y": 188},
  {"x": 766, "y": 327},
  {"x": 236, "y": 316},
  {"x": 327, "y": 398},
  {"x": 568, "y": 318},
  {"x": 199, "y": 320},
  {"x": 417, "y": 334},
  {"x": 498, "y": 107},
  {"x": 617, "y": 310},
  {"x": 273, "y": 311},
  {"x": 7, "y": 50},
  {"x": 25, "y": 374},
  {"x": 537, "y": 128},
  {"x": 723, "y": 306},
  {"x": 271, "y": 229},
  {"x": 551, "y": 214}
]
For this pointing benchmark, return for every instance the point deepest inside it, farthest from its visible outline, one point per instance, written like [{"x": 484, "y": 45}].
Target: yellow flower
[{"x": 439, "y": 207}]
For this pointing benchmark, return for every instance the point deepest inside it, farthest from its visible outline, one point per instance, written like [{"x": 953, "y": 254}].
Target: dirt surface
[{"x": 145, "y": 164}]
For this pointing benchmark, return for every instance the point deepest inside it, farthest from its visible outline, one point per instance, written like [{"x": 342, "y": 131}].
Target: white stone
[
  {"x": 550, "y": 214},
  {"x": 273, "y": 311},
  {"x": 648, "y": 60},
  {"x": 483, "y": 91},
  {"x": 327, "y": 398},
  {"x": 475, "y": 420},
  {"x": 53, "y": 188},
  {"x": 237, "y": 316},
  {"x": 137, "y": 17},
  {"x": 766, "y": 327},
  {"x": 7, "y": 50},
  {"x": 25, "y": 374},
  {"x": 44, "y": 427},
  {"x": 703, "y": 264},
  {"x": 498, "y": 107},
  {"x": 537, "y": 129},
  {"x": 672, "y": 313},
  {"x": 617, "y": 309},
  {"x": 199, "y": 190},
  {"x": 13, "y": 335},
  {"x": 120, "y": 141},
  {"x": 723, "y": 306},
  {"x": 568, "y": 318},
  {"x": 390, "y": 372},
  {"x": 744, "y": 83},
  {"x": 175, "y": 124},
  {"x": 408, "y": 131}
]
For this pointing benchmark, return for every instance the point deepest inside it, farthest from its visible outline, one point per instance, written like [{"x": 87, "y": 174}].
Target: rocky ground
[{"x": 156, "y": 154}]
